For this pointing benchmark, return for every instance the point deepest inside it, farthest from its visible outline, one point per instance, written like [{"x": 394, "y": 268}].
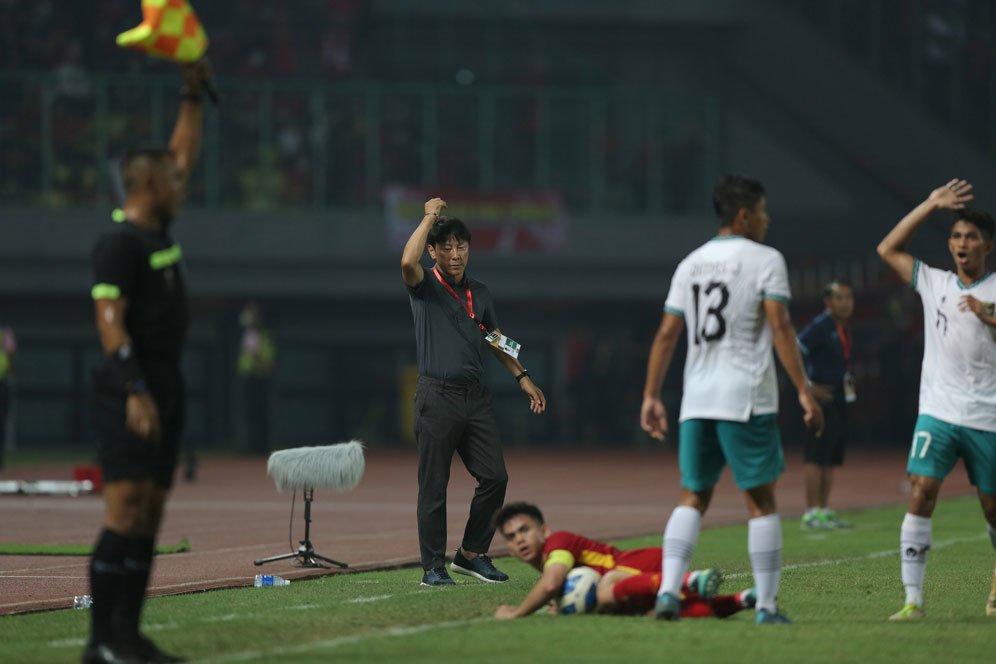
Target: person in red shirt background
[{"x": 630, "y": 579}]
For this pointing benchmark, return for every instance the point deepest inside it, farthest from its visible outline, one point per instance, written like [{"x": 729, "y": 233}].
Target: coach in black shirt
[
  {"x": 142, "y": 314},
  {"x": 453, "y": 316}
]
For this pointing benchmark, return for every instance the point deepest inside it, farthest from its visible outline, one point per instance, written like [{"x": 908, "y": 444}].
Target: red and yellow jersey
[{"x": 574, "y": 550}]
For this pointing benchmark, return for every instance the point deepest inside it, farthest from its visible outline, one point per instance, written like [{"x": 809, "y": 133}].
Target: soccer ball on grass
[{"x": 580, "y": 591}]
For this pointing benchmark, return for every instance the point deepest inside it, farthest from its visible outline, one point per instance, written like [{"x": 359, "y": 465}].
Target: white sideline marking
[
  {"x": 341, "y": 641},
  {"x": 374, "y": 598},
  {"x": 943, "y": 544},
  {"x": 228, "y": 617}
]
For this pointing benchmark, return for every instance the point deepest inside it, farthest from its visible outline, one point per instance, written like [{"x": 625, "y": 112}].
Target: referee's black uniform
[
  {"x": 453, "y": 411},
  {"x": 143, "y": 266}
]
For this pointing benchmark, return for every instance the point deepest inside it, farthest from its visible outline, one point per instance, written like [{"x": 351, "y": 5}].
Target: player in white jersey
[
  {"x": 957, "y": 415},
  {"x": 732, "y": 294}
]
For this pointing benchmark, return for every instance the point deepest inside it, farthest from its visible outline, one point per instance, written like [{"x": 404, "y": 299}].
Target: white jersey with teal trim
[
  {"x": 958, "y": 380},
  {"x": 720, "y": 290}
]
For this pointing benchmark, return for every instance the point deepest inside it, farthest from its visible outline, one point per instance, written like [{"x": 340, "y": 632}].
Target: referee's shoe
[{"x": 480, "y": 567}]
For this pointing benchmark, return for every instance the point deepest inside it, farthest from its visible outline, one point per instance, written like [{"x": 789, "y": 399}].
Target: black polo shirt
[
  {"x": 449, "y": 344},
  {"x": 823, "y": 352},
  {"x": 144, "y": 266}
]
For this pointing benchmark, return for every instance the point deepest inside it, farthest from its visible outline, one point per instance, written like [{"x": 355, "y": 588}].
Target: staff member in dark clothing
[
  {"x": 454, "y": 322},
  {"x": 826, "y": 347},
  {"x": 142, "y": 315}
]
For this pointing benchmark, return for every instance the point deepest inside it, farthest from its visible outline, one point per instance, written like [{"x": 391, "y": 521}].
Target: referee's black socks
[
  {"x": 107, "y": 574},
  {"x": 137, "y": 567}
]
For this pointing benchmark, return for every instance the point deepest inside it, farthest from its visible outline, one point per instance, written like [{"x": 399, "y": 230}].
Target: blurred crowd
[
  {"x": 250, "y": 38},
  {"x": 939, "y": 53},
  {"x": 298, "y": 144},
  {"x": 305, "y": 145}
]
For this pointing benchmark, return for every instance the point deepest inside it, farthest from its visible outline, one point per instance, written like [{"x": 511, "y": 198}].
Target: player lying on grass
[{"x": 630, "y": 579}]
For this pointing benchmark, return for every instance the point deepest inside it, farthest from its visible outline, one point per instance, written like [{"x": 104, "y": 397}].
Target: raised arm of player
[
  {"x": 185, "y": 143},
  {"x": 411, "y": 268},
  {"x": 952, "y": 196},
  {"x": 787, "y": 348},
  {"x": 653, "y": 415},
  {"x": 546, "y": 589}
]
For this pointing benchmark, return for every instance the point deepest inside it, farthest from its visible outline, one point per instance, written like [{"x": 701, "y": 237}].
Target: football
[{"x": 580, "y": 591}]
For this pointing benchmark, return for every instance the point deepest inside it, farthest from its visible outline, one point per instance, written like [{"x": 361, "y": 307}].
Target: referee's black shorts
[
  {"x": 828, "y": 449},
  {"x": 124, "y": 456}
]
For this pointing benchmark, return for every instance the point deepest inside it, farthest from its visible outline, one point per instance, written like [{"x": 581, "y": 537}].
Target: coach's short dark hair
[
  {"x": 980, "y": 219},
  {"x": 733, "y": 192},
  {"x": 131, "y": 173},
  {"x": 834, "y": 283},
  {"x": 446, "y": 227},
  {"x": 512, "y": 510}
]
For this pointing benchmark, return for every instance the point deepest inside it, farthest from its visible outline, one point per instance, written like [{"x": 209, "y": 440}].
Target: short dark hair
[
  {"x": 978, "y": 218},
  {"x": 512, "y": 510},
  {"x": 446, "y": 227},
  {"x": 833, "y": 283},
  {"x": 733, "y": 192},
  {"x": 130, "y": 173}
]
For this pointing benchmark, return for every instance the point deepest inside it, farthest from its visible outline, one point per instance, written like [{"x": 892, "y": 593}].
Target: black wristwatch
[{"x": 525, "y": 372}]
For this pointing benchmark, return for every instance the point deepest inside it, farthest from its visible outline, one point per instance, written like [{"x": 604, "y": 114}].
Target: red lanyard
[
  {"x": 845, "y": 342},
  {"x": 468, "y": 306}
]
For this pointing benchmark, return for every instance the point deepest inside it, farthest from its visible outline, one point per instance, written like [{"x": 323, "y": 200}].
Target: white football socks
[
  {"x": 680, "y": 537},
  {"x": 764, "y": 544},
  {"x": 914, "y": 543}
]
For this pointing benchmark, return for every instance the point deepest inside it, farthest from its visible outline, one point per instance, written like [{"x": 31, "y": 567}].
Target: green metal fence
[{"x": 275, "y": 144}]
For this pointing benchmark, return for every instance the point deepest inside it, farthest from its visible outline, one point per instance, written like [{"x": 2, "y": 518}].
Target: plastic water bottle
[
  {"x": 82, "y": 602},
  {"x": 267, "y": 580}
]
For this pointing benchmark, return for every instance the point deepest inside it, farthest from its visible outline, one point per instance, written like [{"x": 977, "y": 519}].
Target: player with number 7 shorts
[
  {"x": 957, "y": 414},
  {"x": 731, "y": 294}
]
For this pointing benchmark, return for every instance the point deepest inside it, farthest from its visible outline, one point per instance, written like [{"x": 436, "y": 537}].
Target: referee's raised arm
[
  {"x": 411, "y": 268},
  {"x": 185, "y": 143}
]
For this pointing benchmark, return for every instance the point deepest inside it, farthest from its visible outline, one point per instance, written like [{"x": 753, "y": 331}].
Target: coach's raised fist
[{"x": 435, "y": 206}]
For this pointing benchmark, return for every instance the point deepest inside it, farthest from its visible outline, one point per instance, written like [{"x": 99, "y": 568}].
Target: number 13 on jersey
[{"x": 709, "y": 302}]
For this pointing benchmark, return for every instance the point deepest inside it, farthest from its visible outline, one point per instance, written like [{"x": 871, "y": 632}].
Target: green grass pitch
[{"x": 838, "y": 587}]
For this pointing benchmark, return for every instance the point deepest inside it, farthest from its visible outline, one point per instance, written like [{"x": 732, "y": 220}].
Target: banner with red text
[{"x": 499, "y": 221}]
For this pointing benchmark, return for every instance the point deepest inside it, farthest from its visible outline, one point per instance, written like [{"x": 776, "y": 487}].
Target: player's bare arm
[
  {"x": 185, "y": 143},
  {"x": 542, "y": 593},
  {"x": 952, "y": 196},
  {"x": 786, "y": 345},
  {"x": 653, "y": 415},
  {"x": 141, "y": 414},
  {"x": 537, "y": 400},
  {"x": 985, "y": 311},
  {"x": 411, "y": 268}
]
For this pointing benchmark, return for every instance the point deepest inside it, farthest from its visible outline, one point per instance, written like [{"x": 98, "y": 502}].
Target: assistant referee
[
  {"x": 138, "y": 396},
  {"x": 453, "y": 314}
]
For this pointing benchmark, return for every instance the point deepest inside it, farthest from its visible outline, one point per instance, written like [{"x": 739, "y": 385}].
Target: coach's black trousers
[{"x": 456, "y": 418}]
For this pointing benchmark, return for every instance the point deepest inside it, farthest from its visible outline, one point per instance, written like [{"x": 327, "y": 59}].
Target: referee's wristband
[
  {"x": 525, "y": 372},
  {"x": 125, "y": 370}
]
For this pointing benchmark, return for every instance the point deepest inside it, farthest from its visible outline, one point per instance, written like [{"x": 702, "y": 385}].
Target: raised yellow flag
[{"x": 169, "y": 29}]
